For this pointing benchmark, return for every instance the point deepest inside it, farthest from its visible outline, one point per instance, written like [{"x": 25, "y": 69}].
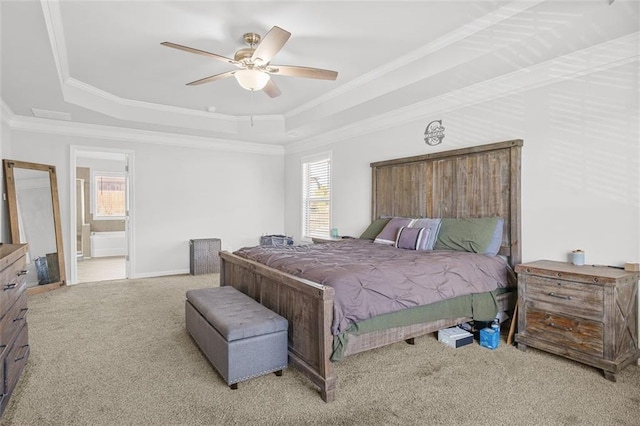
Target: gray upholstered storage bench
[{"x": 239, "y": 336}]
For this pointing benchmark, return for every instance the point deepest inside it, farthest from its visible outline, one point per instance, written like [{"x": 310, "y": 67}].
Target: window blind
[
  {"x": 316, "y": 198},
  {"x": 109, "y": 195}
]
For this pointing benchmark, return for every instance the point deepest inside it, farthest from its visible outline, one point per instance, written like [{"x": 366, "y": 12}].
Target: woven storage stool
[
  {"x": 239, "y": 336},
  {"x": 204, "y": 256}
]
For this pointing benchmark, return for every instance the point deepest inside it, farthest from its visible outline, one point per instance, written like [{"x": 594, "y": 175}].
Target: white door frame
[{"x": 129, "y": 219}]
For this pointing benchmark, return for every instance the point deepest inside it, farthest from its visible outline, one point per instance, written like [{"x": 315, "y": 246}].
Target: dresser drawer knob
[
  {"x": 23, "y": 310},
  {"x": 9, "y": 286},
  {"x": 558, "y": 296},
  {"x": 22, "y": 272},
  {"x": 554, "y": 325}
]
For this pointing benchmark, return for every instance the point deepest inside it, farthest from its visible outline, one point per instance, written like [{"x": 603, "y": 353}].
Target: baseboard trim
[{"x": 160, "y": 274}]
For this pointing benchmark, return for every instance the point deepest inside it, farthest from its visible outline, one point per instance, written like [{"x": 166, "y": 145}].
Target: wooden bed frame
[{"x": 471, "y": 182}]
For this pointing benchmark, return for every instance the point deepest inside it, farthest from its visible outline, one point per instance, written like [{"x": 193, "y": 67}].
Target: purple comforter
[{"x": 372, "y": 279}]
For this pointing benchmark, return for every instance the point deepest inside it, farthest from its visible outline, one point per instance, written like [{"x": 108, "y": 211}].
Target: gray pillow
[
  {"x": 433, "y": 226},
  {"x": 390, "y": 231},
  {"x": 496, "y": 239}
]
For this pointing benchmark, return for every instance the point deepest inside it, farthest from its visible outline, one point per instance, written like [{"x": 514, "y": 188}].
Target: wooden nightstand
[{"x": 585, "y": 313}]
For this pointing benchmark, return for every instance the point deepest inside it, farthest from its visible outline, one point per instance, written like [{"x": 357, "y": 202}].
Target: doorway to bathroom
[{"x": 102, "y": 226}]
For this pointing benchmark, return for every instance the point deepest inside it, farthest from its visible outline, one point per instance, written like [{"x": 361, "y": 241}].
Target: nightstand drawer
[
  {"x": 568, "y": 297},
  {"x": 566, "y": 331}
]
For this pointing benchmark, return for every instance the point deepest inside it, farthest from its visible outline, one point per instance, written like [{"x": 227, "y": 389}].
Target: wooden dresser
[
  {"x": 585, "y": 313},
  {"x": 14, "y": 341}
]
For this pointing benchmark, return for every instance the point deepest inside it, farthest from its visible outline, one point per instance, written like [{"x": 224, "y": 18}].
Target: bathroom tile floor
[{"x": 101, "y": 269}]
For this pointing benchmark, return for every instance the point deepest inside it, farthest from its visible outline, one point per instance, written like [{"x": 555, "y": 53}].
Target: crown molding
[
  {"x": 55, "y": 30},
  {"x": 596, "y": 58},
  {"x": 95, "y": 99},
  {"x": 611, "y": 54},
  {"x": 39, "y": 125},
  {"x": 75, "y": 83},
  {"x": 82, "y": 94},
  {"x": 6, "y": 113},
  {"x": 467, "y": 30}
]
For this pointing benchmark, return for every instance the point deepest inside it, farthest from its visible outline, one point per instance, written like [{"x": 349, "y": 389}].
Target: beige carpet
[{"x": 116, "y": 353}]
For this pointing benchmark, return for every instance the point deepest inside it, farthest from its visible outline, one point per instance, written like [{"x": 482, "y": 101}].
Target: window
[
  {"x": 316, "y": 196},
  {"x": 109, "y": 200}
]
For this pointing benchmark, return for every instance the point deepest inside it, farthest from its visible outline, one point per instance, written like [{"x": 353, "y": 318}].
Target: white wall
[
  {"x": 5, "y": 138},
  {"x": 100, "y": 164},
  {"x": 580, "y": 164},
  {"x": 180, "y": 193}
]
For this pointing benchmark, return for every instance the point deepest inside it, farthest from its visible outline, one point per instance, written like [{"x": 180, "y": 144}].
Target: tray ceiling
[{"x": 101, "y": 62}]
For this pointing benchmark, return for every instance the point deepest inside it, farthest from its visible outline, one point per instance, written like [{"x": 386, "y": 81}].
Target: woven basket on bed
[{"x": 276, "y": 240}]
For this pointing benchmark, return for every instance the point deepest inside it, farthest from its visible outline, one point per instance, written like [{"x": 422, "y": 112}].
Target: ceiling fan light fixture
[
  {"x": 252, "y": 79},
  {"x": 255, "y": 63}
]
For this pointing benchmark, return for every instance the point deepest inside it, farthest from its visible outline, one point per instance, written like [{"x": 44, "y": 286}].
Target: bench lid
[{"x": 234, "y": 314}]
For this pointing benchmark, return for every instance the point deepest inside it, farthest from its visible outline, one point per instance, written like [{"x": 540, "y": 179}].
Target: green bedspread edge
[{"x": 480, "y": 307}]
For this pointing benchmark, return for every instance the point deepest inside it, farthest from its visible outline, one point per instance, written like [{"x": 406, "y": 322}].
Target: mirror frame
[{"x": 9, "y": 166}]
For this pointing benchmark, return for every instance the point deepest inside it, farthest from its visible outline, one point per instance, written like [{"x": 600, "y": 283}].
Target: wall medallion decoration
[{"x": 434, "y": 133}]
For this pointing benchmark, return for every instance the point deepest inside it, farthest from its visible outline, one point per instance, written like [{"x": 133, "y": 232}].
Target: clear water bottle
[{"x": 495, "y": 325}]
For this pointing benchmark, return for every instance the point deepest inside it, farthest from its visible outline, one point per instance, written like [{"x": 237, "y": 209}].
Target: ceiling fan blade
[
  {"x": 271, "y": 89},
  {"x": 306, "y": 72},
  {"x": 212, "y": 78},
  {"x": 270, "y": 45},
  {"x": 199, "y": 52}
]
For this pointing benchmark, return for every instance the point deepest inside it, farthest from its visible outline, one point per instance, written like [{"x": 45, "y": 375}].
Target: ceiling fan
[{"x": 254, "y": 63}]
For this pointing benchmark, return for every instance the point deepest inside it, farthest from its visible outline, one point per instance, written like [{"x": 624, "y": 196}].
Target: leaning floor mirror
[{"x": 34, "y": 218}]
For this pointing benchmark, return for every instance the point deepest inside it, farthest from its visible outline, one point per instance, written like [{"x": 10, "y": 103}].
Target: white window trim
[
  {"x": 94, "y": 198},
  {"x": 310, "y": 159}
]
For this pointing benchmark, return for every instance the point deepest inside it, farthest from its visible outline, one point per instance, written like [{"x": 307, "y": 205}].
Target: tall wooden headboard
[{"x": 472, "y": 182}]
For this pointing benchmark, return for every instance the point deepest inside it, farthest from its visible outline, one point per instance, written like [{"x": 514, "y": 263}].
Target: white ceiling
[{"x": 101, "y": 62}]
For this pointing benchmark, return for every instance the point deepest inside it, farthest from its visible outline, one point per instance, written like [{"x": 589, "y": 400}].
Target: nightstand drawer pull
[
  {"x": 22, "y": 272},
  {"x": 9, "y": 286},
  {"x": 560, "y": 297},
  {"x": 554, "y": 325}
]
